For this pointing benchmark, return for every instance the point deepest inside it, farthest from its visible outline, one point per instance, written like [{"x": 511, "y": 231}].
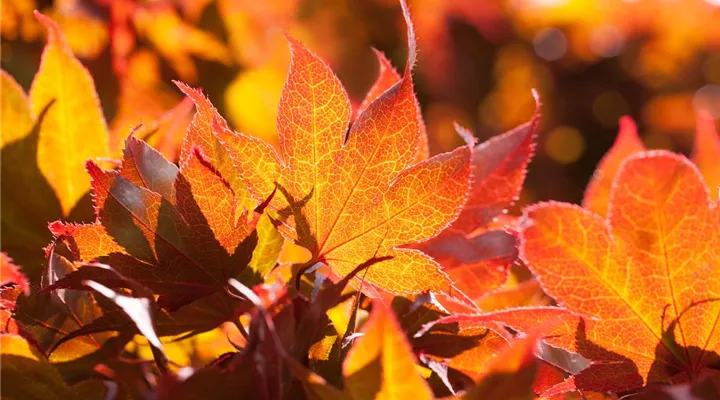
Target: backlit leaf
[
  {"x": 350, "y": 196},
  {"x": 200, "y": 134},
  {"x": 627, "y": 143},
  {"x": 139, "y": 309},
  {"x": 387, "y": 77},
  {"x": 467, "y": 348},
  {"x": 635, "y": 275},
  {"x": 499, "y": 166},
  {"x": 475, "y": 254},
  {"x": 51, "y": 317},
  {"x": 16, "y": 119},
  {"x": 13, "y": 283},
  {"x": 706, "y": 149},
  {"x": 380, "y": 364},
  {"x": 513, "y": 294},
  {"x": 74, "y": 128}
]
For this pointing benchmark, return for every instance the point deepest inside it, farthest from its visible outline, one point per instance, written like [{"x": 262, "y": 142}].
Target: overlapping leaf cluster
[{"x": 411, "y": 287}]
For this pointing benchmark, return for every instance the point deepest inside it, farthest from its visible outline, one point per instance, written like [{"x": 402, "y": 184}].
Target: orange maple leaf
[
  {"x": 387, "y": 78},
  {"x": 705, "y": 153},
  {"x": 350, "y": 195},
  {"x": 640, "y": 286}
]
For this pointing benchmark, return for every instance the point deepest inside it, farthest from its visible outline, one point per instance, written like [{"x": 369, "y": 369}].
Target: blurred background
[{"x": 592, "y": 62}]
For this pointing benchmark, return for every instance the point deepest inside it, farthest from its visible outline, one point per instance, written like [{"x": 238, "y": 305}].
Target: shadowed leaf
[{"x": 26, "y": 374}]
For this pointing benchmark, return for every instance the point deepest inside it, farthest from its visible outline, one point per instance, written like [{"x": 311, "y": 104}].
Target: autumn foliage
[{"x": 183, "y": 259}]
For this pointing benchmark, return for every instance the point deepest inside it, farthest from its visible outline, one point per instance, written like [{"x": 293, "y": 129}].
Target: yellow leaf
[
  {"x": 73, "y": 128},
  {"x": 26, "y": 374},
  {"x": 16, "y": 120},
  {"x": 381, "y": 364}
]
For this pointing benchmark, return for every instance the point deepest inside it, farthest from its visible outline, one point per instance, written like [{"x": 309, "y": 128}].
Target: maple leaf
[
  {"x": 387, "y": 78},
  {"x": 43, "y": 179},
  {"x": 281, "y": 331},
  {"x": 350, "y": 196},
  {"x": 627, "y": 143},
  {"x": 640, "y": 285},
  {"x": 200, "y": 134},
  {"x": 173, "y": 230},
  {"x": 475, "y": 250},
  {"x": 705, "y": 152},
  {"x": 51, "y": 317},
  {"x": 381, "y": 364}
]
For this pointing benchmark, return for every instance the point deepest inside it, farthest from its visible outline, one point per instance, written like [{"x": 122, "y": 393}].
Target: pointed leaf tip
[
  {"x": 627, "y": 143},
  {"x": 381, "y": 363},
  {"x": 412, "y": 41},
  {"x": 465, "y": 134}
]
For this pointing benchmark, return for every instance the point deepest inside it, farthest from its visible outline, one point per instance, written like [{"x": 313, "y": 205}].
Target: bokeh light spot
[
  {"x": 550, "y": 44},
  {"x": 565, "y": 145},
  {"x": 607, "y": 41},
  {"x": 708, "y": 98}
]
